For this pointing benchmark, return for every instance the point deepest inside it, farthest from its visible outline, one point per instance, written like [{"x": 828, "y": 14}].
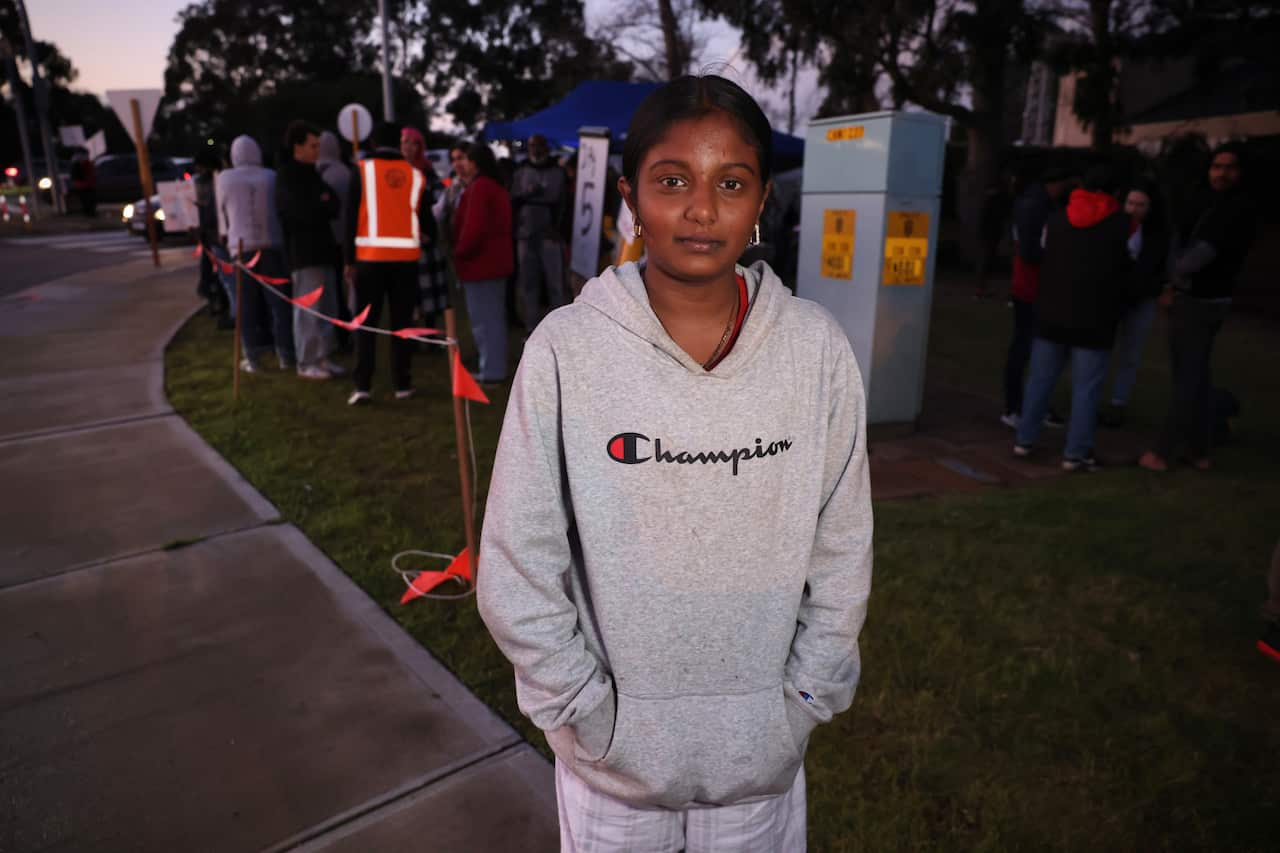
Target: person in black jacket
[
  {"x": 1084, "y": 281},
  {"x": 307, "y": 207},
  {"x": 1210, "y": 253},
  {"x": 1149, "y": 249}
]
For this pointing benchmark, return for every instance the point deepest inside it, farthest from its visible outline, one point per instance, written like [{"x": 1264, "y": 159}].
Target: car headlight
[
  {"x": 127, "y": 213},
  {"x": 159, "y": 216},
  {"x": 45, "y": 183}
]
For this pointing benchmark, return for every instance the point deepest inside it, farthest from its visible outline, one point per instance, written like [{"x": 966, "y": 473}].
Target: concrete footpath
[{"x": 180, "y": 670}]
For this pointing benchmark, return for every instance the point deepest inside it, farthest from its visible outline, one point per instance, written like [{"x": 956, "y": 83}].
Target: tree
[
  {"x": 483, "y": 59},
  {"x": 229, "y": 55},
  {"x": 664, "y": 39}
]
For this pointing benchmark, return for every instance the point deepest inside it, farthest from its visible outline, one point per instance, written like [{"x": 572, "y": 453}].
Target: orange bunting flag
[
  {"x": 464, "y": 384},
  {"x": 253, "y": 262},
  {"x": 226, "y": 266},
  {"x": 459, "y": 569},
  {"x": 355, "y": 322},
  {"x": 416, "y": 333},
  {"x": 195, "y": 253},
  {"x": 309, "y": 299},
  {"x": 266, "y": 279}
]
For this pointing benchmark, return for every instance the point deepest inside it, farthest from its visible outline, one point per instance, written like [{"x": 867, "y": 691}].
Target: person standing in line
[
  {"x": 84, "y": 182},
  {"x": 209, "y": 287},
  {"x": 1030, "y": 213},
  {"x": 482, "y": 257},
  {"x": 337, "y": 177},
  {"x": 676, "y": 555},
  {"x": 382, "y": 251},
  {"x": 307, "y": 209},
  {"x": 1149, "y": 249},
  {"x": 433, "y": 274},
  {"x": 246, "y": 198},
  {"x": 539, "y": 192},
  {"x": 1083, "y": 281},
  {"x": 1208, "y": 260}
]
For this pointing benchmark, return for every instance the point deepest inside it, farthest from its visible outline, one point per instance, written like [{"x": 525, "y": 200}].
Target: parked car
[{"x": 118, "y": 178}]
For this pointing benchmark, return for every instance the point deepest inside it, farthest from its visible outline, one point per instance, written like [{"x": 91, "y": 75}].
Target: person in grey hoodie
[
  {"x": 247, "y": 223},
  {"x": 676, "y": 554}
]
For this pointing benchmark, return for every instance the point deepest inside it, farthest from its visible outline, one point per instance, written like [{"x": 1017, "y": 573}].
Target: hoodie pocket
[{"x": 711, "y": 750}]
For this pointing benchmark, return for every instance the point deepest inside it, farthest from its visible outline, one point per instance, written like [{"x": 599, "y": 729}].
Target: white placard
[
  {"x": 148, "y": 101},
  {"x": 178, "y": 201},
  {"x": 71, "y": 135},
  {"x": 96, "y": 145},
  {"x": 588, "y": 201},
  {"x": 358, "y": 115}
]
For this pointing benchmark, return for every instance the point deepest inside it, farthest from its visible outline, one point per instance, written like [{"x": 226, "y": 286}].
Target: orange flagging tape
[{"x": 459, "y": 570}]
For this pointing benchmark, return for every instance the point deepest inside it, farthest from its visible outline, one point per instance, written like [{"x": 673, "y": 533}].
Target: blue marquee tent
[{"x": 608, "y": 103}]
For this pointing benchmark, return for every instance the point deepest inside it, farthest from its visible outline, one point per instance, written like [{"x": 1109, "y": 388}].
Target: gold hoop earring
[
  {"x": 755, "y": 236},
  {"x": 635, "y": 230}
]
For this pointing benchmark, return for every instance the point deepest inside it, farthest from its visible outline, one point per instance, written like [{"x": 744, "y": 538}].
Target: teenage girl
[{"x": 676, "y": 553}]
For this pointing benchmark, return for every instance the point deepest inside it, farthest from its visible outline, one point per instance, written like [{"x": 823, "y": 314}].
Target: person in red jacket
[{"x": 482, "y": 256}]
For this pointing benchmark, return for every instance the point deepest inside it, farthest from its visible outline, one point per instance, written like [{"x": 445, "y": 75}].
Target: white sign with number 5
[{"x": 588, "y": 202}]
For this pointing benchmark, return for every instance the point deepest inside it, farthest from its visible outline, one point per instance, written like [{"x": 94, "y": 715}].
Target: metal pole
[
  {"x": 388, "y": 108},
  {"x": 40, "y": 86},
  {"x": 464, "y": 450},
  {"x": 235, "y": 347},
  {"x": 20, "y": 112}
]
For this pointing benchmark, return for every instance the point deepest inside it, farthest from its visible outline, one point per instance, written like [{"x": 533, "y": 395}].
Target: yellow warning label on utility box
[
  {"x": 846, "y": 133},
  {"x": 906, "y": 247},
  {"x": 838, "y": 228}
]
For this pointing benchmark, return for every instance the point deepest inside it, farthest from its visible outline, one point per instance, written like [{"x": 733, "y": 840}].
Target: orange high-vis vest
[{"x": 387, "y": 228}]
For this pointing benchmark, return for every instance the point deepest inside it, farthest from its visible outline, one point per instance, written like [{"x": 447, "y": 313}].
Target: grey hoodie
[
  {"x": 336, "y": 174},
  {"x": 246, "y": 196},
  {"x": 677, "y": 562}
]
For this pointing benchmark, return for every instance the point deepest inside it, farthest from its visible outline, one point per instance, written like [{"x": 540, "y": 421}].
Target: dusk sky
[{"x": 125, "y": 44}]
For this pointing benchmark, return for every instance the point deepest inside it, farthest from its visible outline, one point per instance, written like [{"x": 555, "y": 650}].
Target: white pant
[{"x": 592, "y": 822}]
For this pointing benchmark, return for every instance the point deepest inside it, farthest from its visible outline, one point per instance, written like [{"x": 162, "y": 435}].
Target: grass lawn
[{"x": 1066, "y": 666}]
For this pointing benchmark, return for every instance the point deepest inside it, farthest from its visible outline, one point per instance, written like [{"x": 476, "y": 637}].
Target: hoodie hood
[
  {"x": 1087, "y": 208},
  {"x": 619, "y": 293},
  {"x": 245, "y": 152},
  {"x": 329, "y": 147}
]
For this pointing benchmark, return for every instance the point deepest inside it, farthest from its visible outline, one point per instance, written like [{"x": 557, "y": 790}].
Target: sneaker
[
  {"x": 248, "y": 365},
  {"x": 314, "y": 373},
  {"x": 405, "y": 393},
  {"x": 1022, "y": 451},
  {"x": 1269, "y": 645},
  {"x": 358, "y": 398},
  {"x": 1088, "y": 464},
  {"x": 1054, "y": 420},
  {"x": 334, "y": 368},
  {"x": 1011, "y": 419}
]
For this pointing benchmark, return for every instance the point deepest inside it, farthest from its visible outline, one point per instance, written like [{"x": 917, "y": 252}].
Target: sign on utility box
[{"x": 868, "y": 244}]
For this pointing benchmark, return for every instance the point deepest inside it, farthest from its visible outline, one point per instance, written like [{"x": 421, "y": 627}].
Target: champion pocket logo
[{"x": 633, "y": 448}]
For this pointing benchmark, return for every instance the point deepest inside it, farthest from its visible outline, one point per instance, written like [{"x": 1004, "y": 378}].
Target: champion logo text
[{"x": 634, "y": 448}]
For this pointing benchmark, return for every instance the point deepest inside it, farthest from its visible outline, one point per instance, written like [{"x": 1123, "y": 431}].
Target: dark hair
[
  {"x": 1235, "y": 148},
  {"x": 386, "y": 135},
  {"x": 692, "y": 97},
  {"x": 1101, "y": 179},
  {"x": 297, "y": 132},
  {"x": 482, "y": 156}
]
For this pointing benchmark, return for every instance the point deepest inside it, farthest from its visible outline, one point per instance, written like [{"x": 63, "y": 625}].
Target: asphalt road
[{"x": 28, "y": 261}]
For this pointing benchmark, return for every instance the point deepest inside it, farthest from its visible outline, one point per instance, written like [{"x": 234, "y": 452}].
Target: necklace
[{"x": 728, "y": 329}]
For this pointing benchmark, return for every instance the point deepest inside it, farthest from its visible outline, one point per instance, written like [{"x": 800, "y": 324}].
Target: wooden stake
[
  {"x": 464, "y": 449},
  {"x": 144, "y": 172},
  {"x": 235, "y": 350}
]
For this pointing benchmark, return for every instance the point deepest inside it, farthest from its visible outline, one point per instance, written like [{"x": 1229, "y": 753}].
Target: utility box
[{"x": 870, "y": 201}]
